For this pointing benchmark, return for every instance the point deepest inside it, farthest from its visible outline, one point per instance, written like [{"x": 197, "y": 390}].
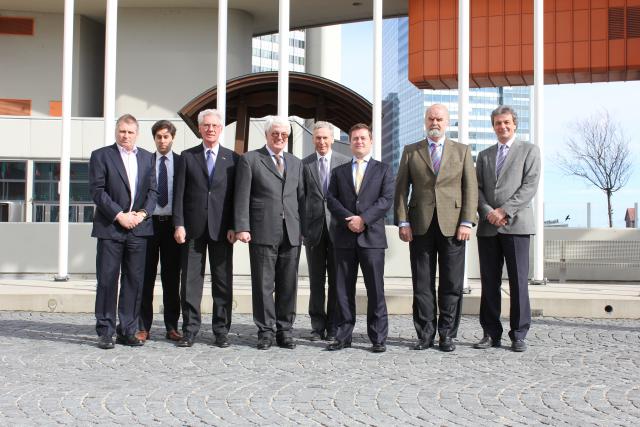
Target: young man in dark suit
[
  {"x": 162, "y": 246},
  {"x": 317, "y": 241},
  {"x": 203, "y": 220},
  {"x": 360, "y": 194},
  {"x": 122, "y": 183}
]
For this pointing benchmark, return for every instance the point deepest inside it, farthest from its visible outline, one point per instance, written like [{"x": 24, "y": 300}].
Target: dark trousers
[
  {"x": 448, "y": 252},
  {"x": 124, "y": 259},
  {"x": 274, "y": 286},
  {"x": 194, "y": 255},
  {"x": 371, "y": 262},
  {"x": 494, "y": 252},
  {"x": 162, "y": 246},
  {"x": 321, "y": 263}
]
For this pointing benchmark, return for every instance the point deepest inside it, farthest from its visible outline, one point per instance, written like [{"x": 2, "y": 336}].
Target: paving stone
[{"x": 575, "y": 372}]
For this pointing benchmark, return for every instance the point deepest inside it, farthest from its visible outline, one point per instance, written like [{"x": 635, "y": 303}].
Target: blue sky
[{"x": 564, "y": 104}]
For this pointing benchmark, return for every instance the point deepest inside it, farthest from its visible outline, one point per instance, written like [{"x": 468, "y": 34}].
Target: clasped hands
[
  {"x": 355, "y": 223},
  {"x": 497, "y": 217},
  {"x": 130, "y": 220}
]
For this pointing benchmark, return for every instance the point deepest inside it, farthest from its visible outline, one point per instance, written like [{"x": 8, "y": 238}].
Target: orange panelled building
[{"x": 585, "y": 41}]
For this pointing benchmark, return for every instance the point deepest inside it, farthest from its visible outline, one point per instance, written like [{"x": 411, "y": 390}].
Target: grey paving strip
[{"x": 576, "y": 372}]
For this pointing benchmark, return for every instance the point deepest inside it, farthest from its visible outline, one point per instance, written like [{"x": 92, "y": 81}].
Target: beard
[{"x": 435, "y": 133}]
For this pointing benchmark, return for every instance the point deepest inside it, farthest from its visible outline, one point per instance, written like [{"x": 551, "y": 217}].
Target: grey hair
[
  {"x": 272, "y": 121},
  {"x": 322, "y": 125},
  {"x": 209, "y": 112},
  {"x": 505, "y": 109}
]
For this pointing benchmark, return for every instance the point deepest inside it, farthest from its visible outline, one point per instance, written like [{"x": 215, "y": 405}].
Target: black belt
[{"x": 162, "y": 218}]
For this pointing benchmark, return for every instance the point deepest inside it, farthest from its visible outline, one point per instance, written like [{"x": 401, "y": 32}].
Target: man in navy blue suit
[
  {"x": 360, "y": 194},
  {"x": 203, "y": 220},
  {"x": 122, "y": 183}
]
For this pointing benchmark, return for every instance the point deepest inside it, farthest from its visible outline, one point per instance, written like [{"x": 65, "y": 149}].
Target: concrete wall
[
  {"x": 32, "y": 248},
  {"x": 160, "y": 70},
  {"x": 32, "y": 65}
]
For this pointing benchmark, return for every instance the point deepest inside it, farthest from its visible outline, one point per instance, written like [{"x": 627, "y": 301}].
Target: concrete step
[{"x": 590, "y": 300}]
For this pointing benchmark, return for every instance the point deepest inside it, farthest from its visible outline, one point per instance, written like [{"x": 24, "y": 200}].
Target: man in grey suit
[
  {"x": 508, "y": 175},
  {"x": 269, "y": 201},
  {"x": 317, "y": 241}
]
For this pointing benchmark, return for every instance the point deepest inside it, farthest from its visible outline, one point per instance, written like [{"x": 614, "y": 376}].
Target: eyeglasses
[{"x": 283, "y": 135}]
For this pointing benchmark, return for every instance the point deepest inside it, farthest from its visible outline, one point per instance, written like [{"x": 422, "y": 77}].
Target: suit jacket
[
  {"x": 371, "y": 203},
  {"x": 316, "y": 213},
  {"x": 453, "y": 193},
  {"x": 109, "y": 189},
  {"x": 199, "y": 206},
  {"x": 512, "y": 191},
  {"x": 263, "y": 198}
]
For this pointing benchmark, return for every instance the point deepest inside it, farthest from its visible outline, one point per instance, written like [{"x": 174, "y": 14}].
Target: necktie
[
  {"x": 279, "y": 164},
  {"x": 359, "y": 174},
  {"x": 502, "y": 155},
  {"x": 436, "y": 156},
  {"x": 324, "y": 176},
  {"x": 163, "y": 183},
  {"x": 210, "y": 164}
]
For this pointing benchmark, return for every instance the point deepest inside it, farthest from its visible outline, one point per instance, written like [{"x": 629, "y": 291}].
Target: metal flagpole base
[
  {"x": 58, "y": 278},
  {"x": 534, "y": 282}
]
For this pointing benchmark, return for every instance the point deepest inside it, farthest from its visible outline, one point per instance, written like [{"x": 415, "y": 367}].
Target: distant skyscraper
[
  {"x": 403, "y": 104},
  {"x": 265, "y": 52}
]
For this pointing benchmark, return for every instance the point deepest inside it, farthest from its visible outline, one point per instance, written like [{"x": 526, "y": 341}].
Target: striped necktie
[
  {"x": 436, "y": 156},
  {"x": 502, "y": 155}
]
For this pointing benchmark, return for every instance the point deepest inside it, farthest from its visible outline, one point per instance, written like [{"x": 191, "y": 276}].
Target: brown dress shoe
[
  {"x": 174, "y": 335},
  {"x": 142, "y": 335}
]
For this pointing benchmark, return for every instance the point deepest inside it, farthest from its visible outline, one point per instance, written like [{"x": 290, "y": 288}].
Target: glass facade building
[
  {"x": 404, "y": 105},
  {"x": 265, "y": 54}
]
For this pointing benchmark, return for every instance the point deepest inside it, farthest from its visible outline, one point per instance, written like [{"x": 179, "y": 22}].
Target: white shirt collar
[
  {"x": 508, "y": 143},
  {"x": 365, "y": 158},
  {"x": 169, "y": 155},
  {"x": 326, "y": 156},
  {"x": 123, "y": 151},
  {"x": 271, "y": 153},
  {"x": 439, "y": 141},
  {"x": 215, "y": 149}
]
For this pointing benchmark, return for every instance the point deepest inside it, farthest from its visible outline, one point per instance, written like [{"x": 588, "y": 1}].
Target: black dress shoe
[
  {"x": 330, "y": 337},
  {"x": 423, "y": 344},
  {"x": 446, "y": 344},
  {"x": 264, "y": 343},
  {"x": 338, "y": 345},
  {"x": 222, "y": 341},
  {"x": 518, "y": 346},
  {"x": 316, "y": 336},
  {"x": 187, "y": 340},
  {"x": 286, "y": 342},
  {"x": 378, "y": 348},
  {"x": 105, "y": 342},
  {"x": 130, "y": 340},
  {"x": 486, "y": 342}
]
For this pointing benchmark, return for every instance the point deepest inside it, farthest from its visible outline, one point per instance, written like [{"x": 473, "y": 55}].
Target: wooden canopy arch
[{"x": 256, "y": 95}]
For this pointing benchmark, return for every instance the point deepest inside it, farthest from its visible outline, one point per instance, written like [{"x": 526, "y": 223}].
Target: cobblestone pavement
[{"x": 575, "y": 372}]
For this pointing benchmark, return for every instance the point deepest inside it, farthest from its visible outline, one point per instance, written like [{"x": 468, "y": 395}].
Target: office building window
[
  {"x": 46, "y": 195},
  {"x": 13, "y": 182}
]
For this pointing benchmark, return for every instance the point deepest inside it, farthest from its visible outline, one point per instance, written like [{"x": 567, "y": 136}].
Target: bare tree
[{"x": 598, "y": 152}]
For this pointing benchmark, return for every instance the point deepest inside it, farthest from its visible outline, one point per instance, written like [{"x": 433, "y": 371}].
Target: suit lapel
[
  {"x": 117, "y": 160},
  {"x": 491, "y": 160},
  {"x": 313, "y": 165},
  {"x": 423, "y": 151},
  {"x": 221, "y": 159},
  {"x": 200, "y": 160},
  {"x": 367, "y": 173},
  {"x": 141, "y": 171},
  {"x": 268, "y": 162}
]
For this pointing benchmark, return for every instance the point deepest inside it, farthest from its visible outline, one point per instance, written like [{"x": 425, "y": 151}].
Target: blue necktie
[
  {"x": 210, "y": 164},
  {"x": 163, "y": 183}
]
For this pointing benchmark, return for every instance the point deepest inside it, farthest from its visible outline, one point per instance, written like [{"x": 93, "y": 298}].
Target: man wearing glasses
[
  {"x": 203, "y": 219},
  {"x": 269, "y": 202}
]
